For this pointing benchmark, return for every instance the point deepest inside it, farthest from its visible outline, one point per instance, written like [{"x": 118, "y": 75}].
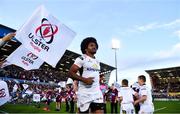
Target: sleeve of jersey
[
  {"x": 133, "y": 92},
  {"x": 144, "y": 91},
  {"x": 79, "y": 62},
  {"x": 119, "y": 94}
]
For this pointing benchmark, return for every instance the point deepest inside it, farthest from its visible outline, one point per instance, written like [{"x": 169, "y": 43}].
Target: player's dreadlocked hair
[{"x": 85, "y": 43}]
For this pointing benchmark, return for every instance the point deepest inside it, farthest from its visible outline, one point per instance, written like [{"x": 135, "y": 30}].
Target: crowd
[
  {"x": 164, "y": 90},
  {"x": 41, "y": 75}
]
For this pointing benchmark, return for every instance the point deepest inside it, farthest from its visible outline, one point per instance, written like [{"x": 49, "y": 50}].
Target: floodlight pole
[
  {"x": 115, "y": 46},
  {"x": 116, "y": 63}
]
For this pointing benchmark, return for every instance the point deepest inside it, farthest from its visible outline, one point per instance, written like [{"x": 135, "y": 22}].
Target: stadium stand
[{"x": 165, "y": 82}]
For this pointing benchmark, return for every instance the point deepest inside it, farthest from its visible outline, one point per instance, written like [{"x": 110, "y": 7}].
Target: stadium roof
[
  {"x": 63, "y": 65},
  {"x": 171, "y": 74}
]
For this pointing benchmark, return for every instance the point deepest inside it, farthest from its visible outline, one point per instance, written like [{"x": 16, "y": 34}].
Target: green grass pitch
[{"x": 160, "y": 107}]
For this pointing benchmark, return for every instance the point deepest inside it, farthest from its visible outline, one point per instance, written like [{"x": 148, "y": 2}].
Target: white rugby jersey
[
  {"x": 127, "y": 94},
  {"x": 91, "y": 68},
  {"x": 144, "y": 90}
]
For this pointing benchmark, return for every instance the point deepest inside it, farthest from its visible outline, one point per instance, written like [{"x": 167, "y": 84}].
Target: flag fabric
[
  {"x": 15, "y": 87},
  {"x": 62, "y": 83},
  {"x": 117, "y": 85},
  {"x": 23, "y": 58},
  {"x": 45, "y": 36},
  {"x": 69, "y": 81},
  {"x": 36, "y": 97},
  {"x": 4, "y": 93},
  {"x": 25, "y": 86}
]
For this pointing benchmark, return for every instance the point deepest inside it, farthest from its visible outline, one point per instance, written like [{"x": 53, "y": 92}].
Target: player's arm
[
  {"x": 75, "y": 85},
  {"x": 135, "y": 93},
  {"x": 143, "y": 97},
  {"x": 75, "y": 68},
  {"x": 116, "y": 99},
  {"x": 1, "y": 63},
  {"x": 120, "y": 96},
  {"x": 6, "y": 38},
  {"x": 73, "y": 74}
]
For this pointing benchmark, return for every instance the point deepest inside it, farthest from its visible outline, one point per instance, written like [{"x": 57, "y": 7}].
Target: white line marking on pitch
[
  {"x": 3, "y": 112},
  {"x": 160, "y": 109}
]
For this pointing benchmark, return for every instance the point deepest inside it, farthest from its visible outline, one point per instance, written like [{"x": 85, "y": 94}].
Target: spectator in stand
[
  {"x": 75, "y": 89},
  {"x": 70, "y": 98},
  {"x": 49, "y": 94},
  {"x": 58, "y": 99},
  {"x": 104, "y": 89},
  {"x": 71, "y": 95},
  {"x": 114, "y": 99}
]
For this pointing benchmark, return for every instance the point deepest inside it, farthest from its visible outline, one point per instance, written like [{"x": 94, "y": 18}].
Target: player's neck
[
  {"x": 142, "y": 84},
  {"x": 124, "y": 86},
  {"x": 90, "y": 55}
]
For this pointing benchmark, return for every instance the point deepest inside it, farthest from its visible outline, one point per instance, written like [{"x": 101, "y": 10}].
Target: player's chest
[{"x": 91, "y": 65}]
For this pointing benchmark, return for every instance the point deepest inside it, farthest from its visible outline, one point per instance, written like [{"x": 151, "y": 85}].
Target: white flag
[
  {"x": 36, "y": 97},
  {"x": 117, "y": 85},
  {"x": 15, "y": 87},
  {"x": 69, "y": 81},
  {"x": 45, "y": 36},
  {"x": 24, "y": 58},
  {"x": 62, "y": 83},
  {"x": 4, "y": 93},
  {"x": 25, "y": 86}
]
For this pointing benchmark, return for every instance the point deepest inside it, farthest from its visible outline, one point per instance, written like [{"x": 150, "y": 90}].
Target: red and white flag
[
  {"x": 4, "y": 93},
  {"x": 23, "y": 58},
  {"x": 45, "y": 36}
]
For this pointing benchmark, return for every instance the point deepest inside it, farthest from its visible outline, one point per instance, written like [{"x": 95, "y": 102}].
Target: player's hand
[
  {"x": 136, "y": 102},
  {"x": 8, "y": 36},
  {"x": 75, "y": 97},
  {"x": 89, "y": 80},
  {"x": 1, "y": 63}
]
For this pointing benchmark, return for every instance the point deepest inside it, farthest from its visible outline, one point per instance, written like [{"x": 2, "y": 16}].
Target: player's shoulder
[
  {"x": 143, "y": 87},
  {"x": 129, "y": 89},
  {"x": 82, "y": 57}
]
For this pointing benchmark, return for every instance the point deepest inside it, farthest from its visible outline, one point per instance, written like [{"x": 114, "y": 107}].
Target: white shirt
[
  {"x": 127, "y": 94},
  {"x": 91, "y": 68},
  {"x": 1, "y": 42},
  {"x": 136, "y": 86},
  {"x": 144, "y": 90}
]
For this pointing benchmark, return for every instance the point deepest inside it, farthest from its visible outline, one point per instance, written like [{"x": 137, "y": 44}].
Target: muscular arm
[
  {"x": 142, "y": 99},
  {"x": 6, "y": 38},
  {"x": 75, "y": 85},
  {"x": 120, "y": 98},
  {"x": 73, "y": 74}
]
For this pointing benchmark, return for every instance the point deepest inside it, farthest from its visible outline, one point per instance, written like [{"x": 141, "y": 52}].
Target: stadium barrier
[{"x": 27, "y": 81}]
